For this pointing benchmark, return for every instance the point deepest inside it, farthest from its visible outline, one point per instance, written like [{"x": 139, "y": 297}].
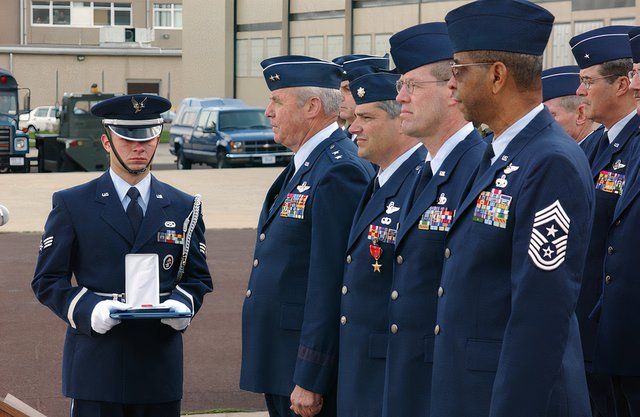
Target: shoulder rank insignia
[
  {"x": 548, "y": 244},
  {"x": 138, "y": 106},
  {"x": 303, "y": 187},
  {"x": 618, "y": 165},
  {"x": 492, "y": 208},
  {"x": 391, "y": 208},
  {"x": 511, "y": 168}
]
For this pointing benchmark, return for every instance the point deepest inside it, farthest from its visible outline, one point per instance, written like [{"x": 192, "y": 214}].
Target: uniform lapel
[
  {"x": 113, "y": 213},
  {"x": 616, "y": 146},
  {"x": 272, "y": 195},
  {"x": 306, "y": 166},
  {"x": 430, "y": 192},
  {"x": 519, "y": 142},
  {"x": 155, "y": 215},
  {"x": 377, "y": 203}
]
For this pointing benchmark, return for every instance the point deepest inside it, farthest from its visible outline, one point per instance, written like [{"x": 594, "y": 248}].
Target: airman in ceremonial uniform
[
  {"x": 422, "y": 55},
  {"x": 349, "y": 63},
  {"x": 290, "y": 317},
  {"x": 617, "y": 314},
  {"x": 559, "y": 87},
  {"x": 507, "y": 340},
  {"x": 369, "y": 262},
  {"x": 604, "y": 57},
  {"x": 115, "y": 368}
]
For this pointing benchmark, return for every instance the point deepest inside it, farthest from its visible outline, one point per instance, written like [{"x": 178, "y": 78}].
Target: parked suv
[
  {"x": 221, "y": 136},
  {"x": 40, "y": 119}
]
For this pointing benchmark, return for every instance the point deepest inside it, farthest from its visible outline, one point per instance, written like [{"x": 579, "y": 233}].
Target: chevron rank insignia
[
  {"x": 45, "y": 243},
  {"x": 548, "y": 244},
  {"x": 203, "y": 248}
]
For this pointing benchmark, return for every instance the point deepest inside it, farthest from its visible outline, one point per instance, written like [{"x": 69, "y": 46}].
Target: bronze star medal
[{"x": 376, "y": 251}]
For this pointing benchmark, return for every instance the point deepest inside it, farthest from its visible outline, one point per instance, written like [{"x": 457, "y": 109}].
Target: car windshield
[
  {"x": 8, "y": 102},
  {"x": 81, "y": 108},
  {"x": 243, "y": 119}
]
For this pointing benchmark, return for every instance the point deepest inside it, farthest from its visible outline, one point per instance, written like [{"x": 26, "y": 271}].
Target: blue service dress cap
[
  {"x": 560, "y": 82},
  {"x": 134, "y": 117},
  {"x": 601, "y": 45},
  {"x": 517, "y": 26},
  {"x": 374, "y": 86},
  {"x": 354, "y": 61},
  {"x": 300, "y": 71},
  {"x": 420, "y": 45},
  {"x": 634, "y": 42}
]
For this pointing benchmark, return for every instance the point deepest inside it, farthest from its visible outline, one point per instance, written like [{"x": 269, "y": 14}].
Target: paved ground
[{"x": 31, "y": 337}]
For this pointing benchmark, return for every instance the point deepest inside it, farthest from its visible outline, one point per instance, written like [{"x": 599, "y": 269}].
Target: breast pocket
[{"x": 483, "y": 355}]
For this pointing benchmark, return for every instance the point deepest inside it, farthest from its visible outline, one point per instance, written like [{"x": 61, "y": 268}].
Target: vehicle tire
[
  {"x": 32, "y": 129},
  {"x": 183, "y": 162},
  {"x": 221, "y": 160}
]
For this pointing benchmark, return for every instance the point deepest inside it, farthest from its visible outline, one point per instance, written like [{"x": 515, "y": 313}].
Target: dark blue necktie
[
  {"x": 425, "y": 177},
  {"x": 602, "y": 145},
  {"x": 134, "y": 211}
]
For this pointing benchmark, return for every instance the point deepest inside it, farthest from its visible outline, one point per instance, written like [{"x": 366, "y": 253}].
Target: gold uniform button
[
  {"x": 255, "y": 263},
  {"x": 447, "y": 253},
  {"x": 262, "y": 237},
  {"x": 437, "y": 330},
  {"x": 248, "y": 293},
  {"x": 399, "y": 259},
  {"x": 348, "y": 259},
  {"x": 343, "y": 320},
  {"x": 607, "y": 279},
  {"x": 440, "y": 292},
  {"x": 610, "y": 250},
  {"x": 394, "y": 328},
  {"x": 345, "y": 290},
  {"x": 394, "y": 295}
]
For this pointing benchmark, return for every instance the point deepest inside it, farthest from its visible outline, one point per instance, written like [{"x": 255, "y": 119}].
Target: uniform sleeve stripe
[
  {"x": 186, "y": 294},
  {"x": 72, "y": 306}
]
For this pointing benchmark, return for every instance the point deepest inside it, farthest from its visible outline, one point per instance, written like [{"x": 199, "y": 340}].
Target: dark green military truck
[
  {"x": 14, "y": 144},
  {"x": 77, "y": 147}
]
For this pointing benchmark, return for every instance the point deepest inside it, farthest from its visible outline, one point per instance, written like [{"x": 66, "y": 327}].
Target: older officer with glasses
[
  {"x": 604, "y": 57},
  {"x": 507, "y": 340}
]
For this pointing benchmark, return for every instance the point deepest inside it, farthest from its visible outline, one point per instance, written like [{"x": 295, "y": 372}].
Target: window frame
[
  {"x": 172, "y": 12},
  {"x": 112, "y": 12}
]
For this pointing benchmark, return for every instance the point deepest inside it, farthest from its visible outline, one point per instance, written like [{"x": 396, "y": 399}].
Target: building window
[
  {"x": 80, "y": 13},
  {"x": 362, "y": 44},
  {"x": 586, "y": 25},
  {"x": 251, "y": 52},
  {"x": 335, "y": 46},
  {"x": 382, "y": 43},
  {"x": 600, "y": 4},
  {"x": 167, "y": 15},
  {"x": 297, "y": 46},
  {"x": 316, "y": 46},
  {"x": 561, "y": 49}
]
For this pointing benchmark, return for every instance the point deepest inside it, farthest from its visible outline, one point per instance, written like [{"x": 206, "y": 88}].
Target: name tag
[
  {"x": 382, "y": 234},
  {"x": 492, "y": 208},
  {"x": 171, "y": 236},
  {"x": 293, "y": 206},
  {"x": 437, "y": 218},
  {"x": 610, "y": 182}
]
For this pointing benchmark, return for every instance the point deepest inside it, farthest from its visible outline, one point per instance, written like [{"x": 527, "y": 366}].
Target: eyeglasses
[
  {"x": 633, "y": 73},
  {"x": 455, "y": 68},
  {"x": 588, "y": 82},
  {"x": 412, "y": 84}
]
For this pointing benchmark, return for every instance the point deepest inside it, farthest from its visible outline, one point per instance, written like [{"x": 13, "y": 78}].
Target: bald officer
[
  {"x": 422, "y": 55},
  {"x": 116, "y": 368},
  {"x": 355, "y": 63},
  {"x": 617, "y": 337},
  {"x": 604, "y": 57},
  {"x": 369, "y": 268},
  {"x": 507, "y": 340},
  {"x": 559, "y": 87},
  {"x": 290, "y": 317}
]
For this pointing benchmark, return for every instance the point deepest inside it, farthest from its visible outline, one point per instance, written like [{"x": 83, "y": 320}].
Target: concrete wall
[
  {"x": 10, "y": 22},
  {"x": 75, "y": 76}
]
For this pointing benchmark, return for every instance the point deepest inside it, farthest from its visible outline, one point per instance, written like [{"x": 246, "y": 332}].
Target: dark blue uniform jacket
[
  {"x": 87, "y": 235},
  {"x": 365, "y": 292},
  {"x": 507, "y": 339},
  {"x": 418, "y": 266},
  {"x": 290, "y": 317}
]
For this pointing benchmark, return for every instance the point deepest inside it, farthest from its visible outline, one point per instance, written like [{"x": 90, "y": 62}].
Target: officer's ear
[
  {"x": 498, "y": 72},
  {"x": 105, "y": 143},
  {"x": 581, "y": 117}
]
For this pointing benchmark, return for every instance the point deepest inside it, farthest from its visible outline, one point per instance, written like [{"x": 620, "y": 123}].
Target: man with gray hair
[
  {"x": 291, "y": 310},
  {"x": 559, "y": 87}
]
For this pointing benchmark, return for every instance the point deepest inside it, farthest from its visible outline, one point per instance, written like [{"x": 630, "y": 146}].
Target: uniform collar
[
  {"x": 385, "y": 174},
  {"x": 308, "y": 147},
  {"x": 448, "y": 146},
  {"x": 617, "y": 128},
  {"x": 121, "y": 186},
  {"x": 501, "y": 142}
]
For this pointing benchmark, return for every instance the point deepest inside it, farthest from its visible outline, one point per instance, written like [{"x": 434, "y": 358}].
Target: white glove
[
  {"x": 100, "y": 320},
  {"x": 177, "y": 306}
]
